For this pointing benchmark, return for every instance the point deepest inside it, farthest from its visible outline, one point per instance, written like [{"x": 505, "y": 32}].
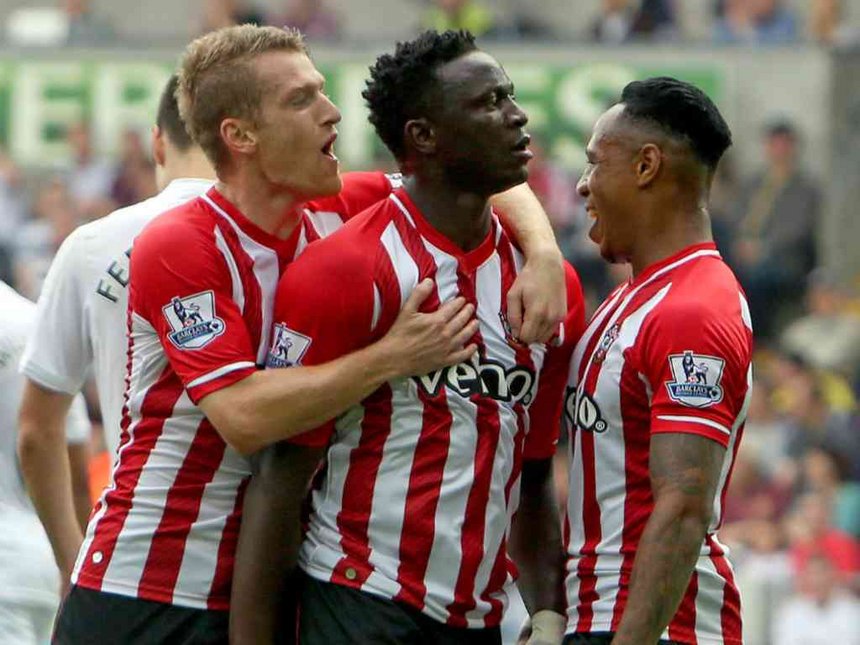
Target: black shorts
[
  {"x": 597, "y": 638},
  {"x": 331, "y": 614},
  {"x": 98, "y": 618}
]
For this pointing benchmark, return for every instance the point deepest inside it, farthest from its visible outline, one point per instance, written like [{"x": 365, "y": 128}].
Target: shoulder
[
  {"x": 707, "y": 287},
  {"x": 183, "y": 228}
]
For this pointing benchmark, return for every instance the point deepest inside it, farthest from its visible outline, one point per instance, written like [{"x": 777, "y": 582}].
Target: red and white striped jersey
[
  {"x": 669, "y": 351},
  {"x": 201, "y": 298},
  {"x": 422, "y": 479}
]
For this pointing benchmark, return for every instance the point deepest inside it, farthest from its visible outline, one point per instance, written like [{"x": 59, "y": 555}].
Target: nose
[
  {"x": 518, "y": 117},
  {"x": 582, "y": 184},
  {"x": 332, "y": 113}
]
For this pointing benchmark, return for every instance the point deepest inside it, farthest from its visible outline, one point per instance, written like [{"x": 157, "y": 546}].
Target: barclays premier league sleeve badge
[
  {"x": 697, "y": 379},
  {"x": 193, "y": 320},
  {"x": 288, "y": 347}
]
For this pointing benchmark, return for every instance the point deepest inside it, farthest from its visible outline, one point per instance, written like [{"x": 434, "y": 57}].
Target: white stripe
[
  {"x": 266, "y": 271},
  {"x": 699, "y": 420},
  {"x": 324, "y": 222},
  {"x": 403, "y": 209},
  {"x": 594, "y": 326},
  {"x": 709, "y": 602},
  {"x": 218, "y": 373},
  {"x": 238, "y": 289},
  {"x": 200, "y": 556},
  {"x": 377, "y": 307},
  {"x": 402, "y": 263},
  {"x": 745, "y": 311}
]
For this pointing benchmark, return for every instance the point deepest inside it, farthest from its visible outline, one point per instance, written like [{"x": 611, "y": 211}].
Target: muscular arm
[
  {"x": 539, "y": 291},
  {"x": 263, "y": 599},
  {"x": 45, "y": 466},
  {"x": 536, "y": 544},
  {"x": 273, "y": 405},
  {"x": 685, "y": 470}
]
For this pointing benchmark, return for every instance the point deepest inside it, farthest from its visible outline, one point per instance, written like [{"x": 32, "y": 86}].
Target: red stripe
[
  {"x": 682, "y": 628},
  {"x": 157, "y": 404},
  {"x": 181, "y": 507},
  {"x": 472, "y": 535},
  {"x": 638, "y": 501},
  {"x": 220, "y": 588},
  {"x": 730, "y": 614},
  {"x": 311, "y": 233},
  {"x": 354, "y": 516},
  {"x": 252, "y": 313}
]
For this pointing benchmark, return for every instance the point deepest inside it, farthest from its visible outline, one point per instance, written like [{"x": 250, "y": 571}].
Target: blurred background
[{"x": 79, "y": 83}]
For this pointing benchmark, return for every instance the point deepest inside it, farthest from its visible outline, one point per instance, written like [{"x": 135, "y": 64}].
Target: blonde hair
[{"x": 217, "y": 81}]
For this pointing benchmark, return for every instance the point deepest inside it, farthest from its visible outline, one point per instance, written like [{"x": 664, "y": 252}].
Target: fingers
[
  {"x": 419, "y": 294},
  {"x": 515, "y": 311},
  {"x": 460, "y": 320},
  {"x": 452, "y": 308},
  {"x": 462, "y": 337},
  {"x": 462, "y": 355}
]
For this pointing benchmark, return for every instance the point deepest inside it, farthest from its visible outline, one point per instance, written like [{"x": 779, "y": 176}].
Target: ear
[
  {"x": 239, "y": 136},
  {"x": 420, "y": 136},
  {"x": 648, "y": 164},
  {"x": 158, "y": 146}
]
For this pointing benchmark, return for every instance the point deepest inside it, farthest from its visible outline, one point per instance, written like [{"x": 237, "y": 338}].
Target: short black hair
[
  {"x": 681, "y": 110},
  {"x": 401, "y": 84},
  {"x": 168, "y": 119}
]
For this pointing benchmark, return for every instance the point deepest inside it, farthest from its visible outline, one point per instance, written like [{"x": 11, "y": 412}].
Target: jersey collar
[
  {"x": 651, "y": 269},
  {"x": 469, "y": 260}
]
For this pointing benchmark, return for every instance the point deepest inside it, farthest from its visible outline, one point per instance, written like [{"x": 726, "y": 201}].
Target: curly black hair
[
  {"x": 400, "y": 85},
  {"x": 681, "y": 110}
]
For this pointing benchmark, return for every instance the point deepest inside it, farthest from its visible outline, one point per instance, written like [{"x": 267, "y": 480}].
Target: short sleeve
[
  {"x": 360, "y": 191},
  {"x": 183, "y": 290},
  {"x": 78, "y": 426},
  {"x": 324, "y": 309},
  {"x": 58, "y": 352},
  {"x": 545, "y": 411},
  {"x": 696, "y": 359}
]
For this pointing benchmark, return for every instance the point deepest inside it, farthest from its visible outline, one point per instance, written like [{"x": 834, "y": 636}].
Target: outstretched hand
[{"x": 419, "y": 343}]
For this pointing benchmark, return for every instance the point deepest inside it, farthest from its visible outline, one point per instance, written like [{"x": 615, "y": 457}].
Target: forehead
[
  {"x": 607, "y": 130},
  {"x": 285, "y": 70},
  {"x": 471, "y": 73}
]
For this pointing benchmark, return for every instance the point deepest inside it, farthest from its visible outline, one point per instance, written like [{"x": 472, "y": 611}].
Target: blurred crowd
[
  {"x": 765, "y": 22},
  {"x": 792, "y": 513}
]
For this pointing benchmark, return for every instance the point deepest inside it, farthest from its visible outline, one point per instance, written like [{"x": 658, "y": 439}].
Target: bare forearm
[
  {"x": 262, "y": 600},
  {"x": 79, "y": 455},
  {"x": 273, "y": 405},
  {"x": 45, "y": 466},
  {"x": 664, "y": 562},
  {"x": 536, "y": 544}
]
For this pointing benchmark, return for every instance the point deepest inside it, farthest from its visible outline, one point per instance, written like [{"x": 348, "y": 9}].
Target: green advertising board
[{"x": 40, "y": 99}]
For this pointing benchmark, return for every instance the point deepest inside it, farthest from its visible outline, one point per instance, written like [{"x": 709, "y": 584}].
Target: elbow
[
  {"x": 241, "y": 434},
  {"x": 691, "y": 515}
]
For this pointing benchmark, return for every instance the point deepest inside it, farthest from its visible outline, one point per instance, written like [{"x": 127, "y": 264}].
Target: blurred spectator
[
  {"x": 135, "y": 177},
  {"x": 12, "y": 212},
  {"x": 54, "y": 216},
  {"x": 764, "y": 22},
  {"x": 827, "y": 25},
  {"x": 623, "y": 21},
  {"x": 821, "y": 612},
  {"x": 470, "y": 15},
  {"x": 314, "y": 18},
  {"x": 776, "y": 212},
  {"x": 754, "y": 496},
  {"x": 91, "y": 178},
  {"x": 812, "y": 533},
  {"x": 226, "y": 13},
  {"x": 825, "y": 472},
  {"x": 85, "y": 26},
  {"x": 828, "y": 335}
]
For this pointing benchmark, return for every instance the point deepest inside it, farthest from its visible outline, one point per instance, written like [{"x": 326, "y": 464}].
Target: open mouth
[{"x": 328, "y": 148}]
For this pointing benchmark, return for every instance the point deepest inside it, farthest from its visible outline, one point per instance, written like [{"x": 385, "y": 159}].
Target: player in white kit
[
  {"x": 29, "y": 579},
  {"x": 80, "y": 326}
]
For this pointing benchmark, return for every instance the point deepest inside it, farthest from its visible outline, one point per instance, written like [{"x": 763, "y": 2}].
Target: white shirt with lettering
[{"x": 81, "y": 322}]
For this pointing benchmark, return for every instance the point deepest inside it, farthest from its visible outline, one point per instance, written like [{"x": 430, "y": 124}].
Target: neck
[
  {"x": 272, "y": 208},
  {"x": 189, "y": 165},
  {"x": 669, "y": 231},
  {"x": 462, "y": 217}
]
